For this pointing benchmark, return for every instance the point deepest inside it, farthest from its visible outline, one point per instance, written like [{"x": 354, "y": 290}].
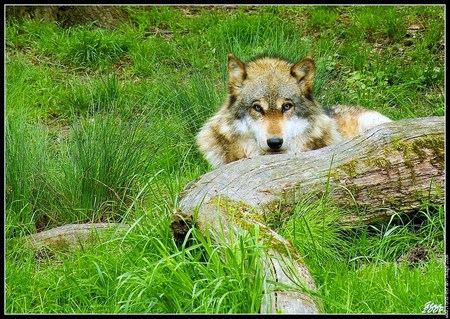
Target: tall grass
[
  {"x": 105, "y": 160},
  {"x": 316, "y": 232},
  {"x": 371, "y": 268},
  {"x": 383, "y": 288},
  {"x": 94, "y": 174},
  {"x": 27, "y": 163},
  {"x": 142, "y": 271},
  {"x": 204, "y": 277}
]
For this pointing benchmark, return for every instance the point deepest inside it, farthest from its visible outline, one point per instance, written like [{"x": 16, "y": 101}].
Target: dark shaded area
[
  {"x": 180, "y": 227},
  {"x": 68, "y": 16}
]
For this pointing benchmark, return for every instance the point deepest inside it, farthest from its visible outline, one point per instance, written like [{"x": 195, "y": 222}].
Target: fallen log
[
  {"x": 391, "y": 168},
  {"x": 71, "y": 235}
]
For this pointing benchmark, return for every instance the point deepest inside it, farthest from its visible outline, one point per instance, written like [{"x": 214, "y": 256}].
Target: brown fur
[
  {"x": 271, "y": 108},
  {"x": 346, "y": 119}
]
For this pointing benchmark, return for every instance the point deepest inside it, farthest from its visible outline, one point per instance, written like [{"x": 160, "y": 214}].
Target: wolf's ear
[
  {"x": 236, "y": 72},
  {"x": 303, "y": 71}
]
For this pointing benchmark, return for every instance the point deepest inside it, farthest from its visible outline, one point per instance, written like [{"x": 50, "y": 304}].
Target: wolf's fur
[{"x": 270, "y": 108}]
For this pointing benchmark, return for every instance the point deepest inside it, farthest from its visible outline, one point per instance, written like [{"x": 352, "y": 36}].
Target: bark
[{"x": 393, "y": 167}]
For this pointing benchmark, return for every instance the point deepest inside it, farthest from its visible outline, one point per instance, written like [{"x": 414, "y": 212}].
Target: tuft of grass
[
  {"x": 95, "y": 171},
  {"x": 314, "y": 230},
  {"x": 389, "y": 242},
  {"x": 98, "y": 95},
  {"x": 32, "y": 89},
  {"x": 27, "y": 162},
  {"x": 370, "y": 268},
  {"x": 104, "y": 160},
  {"x": 206, "y": 276},
  {"x": 85, "y": 47}
]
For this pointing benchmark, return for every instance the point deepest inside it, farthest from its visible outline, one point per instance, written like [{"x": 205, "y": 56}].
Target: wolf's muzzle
[{"x": 275, "y": 143}]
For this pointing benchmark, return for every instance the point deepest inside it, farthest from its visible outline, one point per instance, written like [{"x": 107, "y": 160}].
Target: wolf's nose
[{"x": 275, "y": 143}]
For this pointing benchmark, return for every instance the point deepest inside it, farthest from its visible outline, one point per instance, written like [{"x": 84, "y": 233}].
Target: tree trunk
[{"x": 393, "y": 167}]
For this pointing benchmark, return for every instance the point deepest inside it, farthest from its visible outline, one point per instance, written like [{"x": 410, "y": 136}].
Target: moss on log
[{"x": 391, "y": 168}]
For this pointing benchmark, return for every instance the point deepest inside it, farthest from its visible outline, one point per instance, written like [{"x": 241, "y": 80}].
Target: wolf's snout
[{"x": 275, "y": 143}]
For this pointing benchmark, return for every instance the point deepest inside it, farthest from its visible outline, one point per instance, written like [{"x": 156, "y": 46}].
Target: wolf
[{"x": 270, "y": 109}]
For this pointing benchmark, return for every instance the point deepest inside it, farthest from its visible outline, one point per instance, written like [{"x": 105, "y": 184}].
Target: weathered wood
[
  {"x": 70, "y": 235},
  {"x": 390, "y": 168},
  {"x": 393, "y": 166}
]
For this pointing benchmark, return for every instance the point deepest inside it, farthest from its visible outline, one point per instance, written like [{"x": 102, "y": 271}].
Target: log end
[{"x": 180, "y": 226}]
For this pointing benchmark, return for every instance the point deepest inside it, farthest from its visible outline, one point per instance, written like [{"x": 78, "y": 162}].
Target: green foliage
[
  {"x": 316, "y": 233},
  {"x": 84, "y": 47},
  {"x": 383, "y": 288},
  {"x": 96, "y": 96},
  {"x": 371, "y": 268},
  {"x": 102, "y": 160},
  {"x": 141, "y": 271},
  {"x": 27, "y": 161},
  {"x": 91, "y": 174},
  {"x": 201, "y": 276}
]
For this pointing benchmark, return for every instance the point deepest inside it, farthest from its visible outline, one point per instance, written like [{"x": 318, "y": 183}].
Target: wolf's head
[{"x": 272, "y": 100}]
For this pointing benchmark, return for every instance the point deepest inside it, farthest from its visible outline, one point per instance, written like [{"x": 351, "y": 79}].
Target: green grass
[
  {"x": 100, "y": 126},
  {"x": 89, "y": 172},
  {"x": 142, "y": 271},
  {"x": 27, "y": 161},
  {"x": 102, "y": 158},
  {"x": 371, "y": 268},
  {"x": 384, "y": 288}
]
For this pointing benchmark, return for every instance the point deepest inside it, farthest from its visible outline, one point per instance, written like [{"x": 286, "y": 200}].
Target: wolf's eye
[
  {"x": 257, "y": 108},
  {"x": 286, "y": 107}
]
